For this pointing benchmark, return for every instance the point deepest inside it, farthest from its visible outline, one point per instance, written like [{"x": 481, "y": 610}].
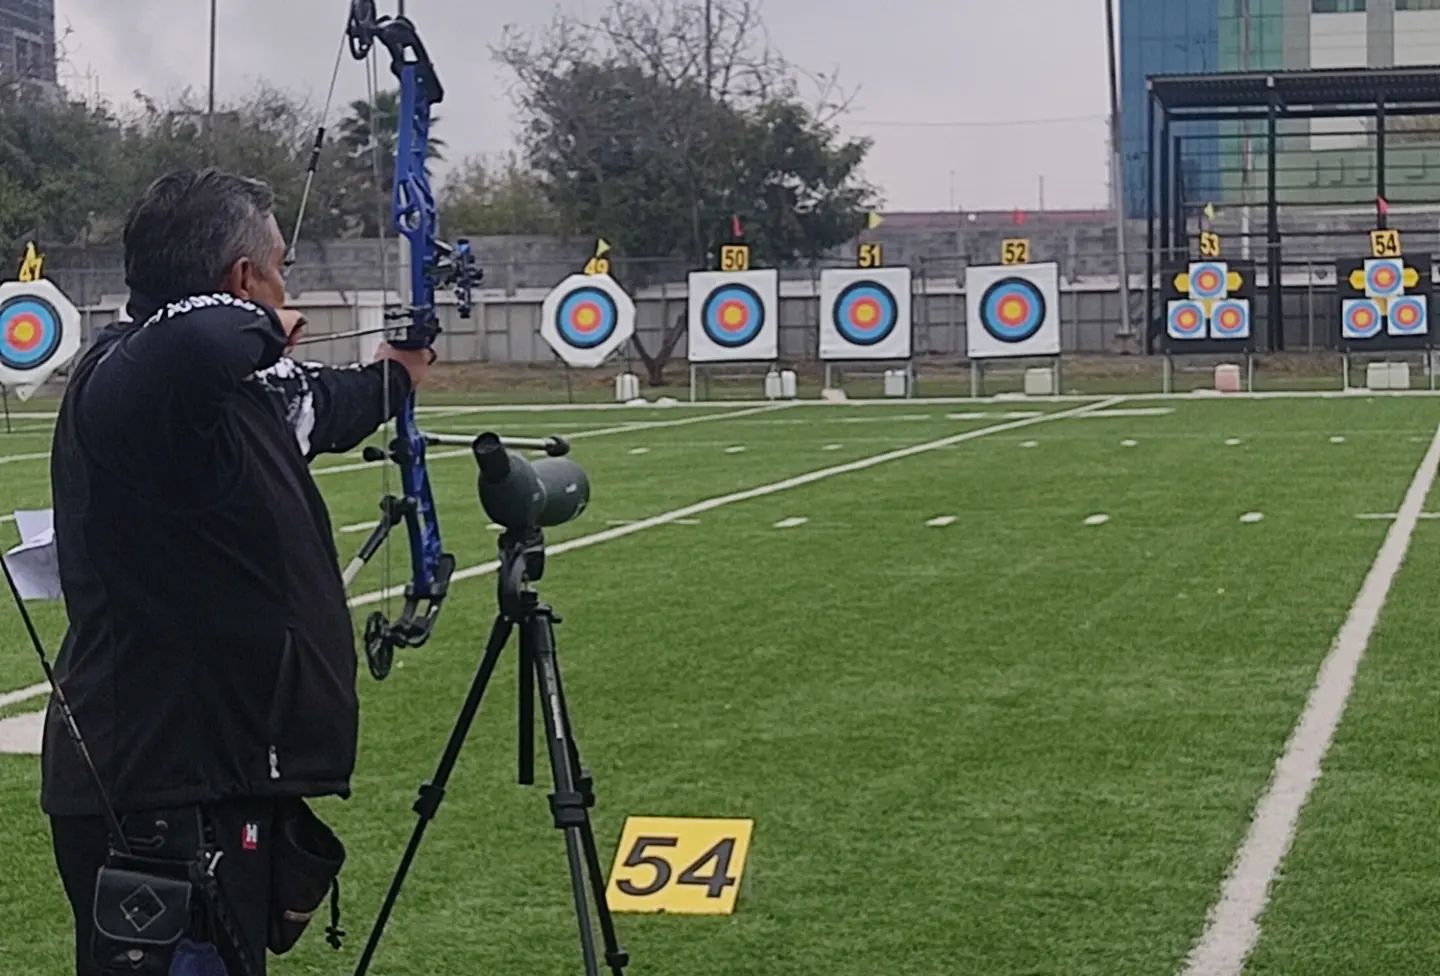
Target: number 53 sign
[{"x": 679, "y": 866}]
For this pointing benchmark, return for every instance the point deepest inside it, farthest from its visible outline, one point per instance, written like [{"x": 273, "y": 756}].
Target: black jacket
[{"x": 210, "y": 651}]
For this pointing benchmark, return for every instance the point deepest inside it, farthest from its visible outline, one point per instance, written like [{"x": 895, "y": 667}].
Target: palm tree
[{"x": 370, "y": 134}]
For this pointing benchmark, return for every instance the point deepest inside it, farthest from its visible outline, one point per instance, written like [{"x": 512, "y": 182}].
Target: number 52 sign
[{"x": 679, "y": 865}]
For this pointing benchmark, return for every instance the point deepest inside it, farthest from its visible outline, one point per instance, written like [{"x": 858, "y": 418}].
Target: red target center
[
  {"x": 1362, "y": 319},
  {"x": 1188, "y": 319},
  {"x": 1384, "y": 276},
  {"x": 733, "y": 316},
  {"x": 1014, "y": 310},
  {"x": 1209, "y": 281},
  {"x": 1407, "y": 315},
  {"x": 865, "y": 313},
  {"x": 586, "y": 317},
  {"x": 24, "y": 332},
  {"x": 1230, "y": 318}
]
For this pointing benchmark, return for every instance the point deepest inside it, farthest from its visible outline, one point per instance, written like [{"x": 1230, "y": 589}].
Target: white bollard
[{"x": 627, "y": 388}]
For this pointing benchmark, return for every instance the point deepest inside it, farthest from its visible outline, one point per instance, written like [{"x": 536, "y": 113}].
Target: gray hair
[{"x": 188, "y": 229}]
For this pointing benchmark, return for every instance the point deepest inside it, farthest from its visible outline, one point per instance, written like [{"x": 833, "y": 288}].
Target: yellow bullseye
[
  {"x": 585, "y": 317},
  {"x": 865, "y": 314},
  {"x": 1012, "y": 310},
  {"x": 23, "y": 332},
  {"x": 733, "y": 315}
]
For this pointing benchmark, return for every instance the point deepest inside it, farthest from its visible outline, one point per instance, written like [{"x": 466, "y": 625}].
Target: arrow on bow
[{"x": 433, "y": 264}]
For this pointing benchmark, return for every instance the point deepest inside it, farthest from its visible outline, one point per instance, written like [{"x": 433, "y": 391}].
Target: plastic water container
[
  {"x": 1377, "y": 376},
  {"x": 772, "y": 385},
  {"x": 1399, "y": 376},
  {"x": 897, "y": 383},
  {"x": 627, "y": 388},
  {"x": 1227, "y": 378},
  {"x": 1040, "y": 382},
  {"x": 787, "y": 384}
]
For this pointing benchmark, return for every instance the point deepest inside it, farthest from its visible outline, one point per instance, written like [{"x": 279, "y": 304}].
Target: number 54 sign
[{"x": 679, "y": 865}]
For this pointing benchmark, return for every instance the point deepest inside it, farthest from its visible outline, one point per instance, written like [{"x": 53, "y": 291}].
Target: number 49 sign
[{"x": 679, "y": 865}]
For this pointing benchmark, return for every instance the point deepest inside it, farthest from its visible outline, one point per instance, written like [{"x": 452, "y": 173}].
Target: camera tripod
[{"x": 522, "y": 563}]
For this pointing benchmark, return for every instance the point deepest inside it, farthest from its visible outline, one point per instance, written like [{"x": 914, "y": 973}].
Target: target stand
[
  {"x": 1012, "y": 315},
  {"x": 735, "y": 323},
  {"x": 1208, "y": 311},
  {"x": 866, "y": 323},
  {"x": 1384, "y": 306}
]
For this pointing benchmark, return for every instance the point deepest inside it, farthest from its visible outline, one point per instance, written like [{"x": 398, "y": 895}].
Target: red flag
[
  {"x": 736, "y": 231},
  {"x": 1382, "y": 206},
  {"x": 1018, "y": 217}
]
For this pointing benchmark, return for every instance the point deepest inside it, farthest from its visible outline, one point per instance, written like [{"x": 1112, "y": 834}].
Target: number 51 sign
[{"x": 679, "y": 865}]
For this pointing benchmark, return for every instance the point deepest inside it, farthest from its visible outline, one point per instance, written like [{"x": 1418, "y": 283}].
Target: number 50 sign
[{"x": 679, "y": 865}]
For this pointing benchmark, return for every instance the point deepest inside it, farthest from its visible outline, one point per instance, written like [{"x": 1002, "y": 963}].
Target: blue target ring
[
  {"x": 732, "y": 315},
  {"x": 587, "y": 317},
  {"x": 1013, "y": 309},
  {"x": 30, "y": 332},
  {"x": 866, "y": 313}
]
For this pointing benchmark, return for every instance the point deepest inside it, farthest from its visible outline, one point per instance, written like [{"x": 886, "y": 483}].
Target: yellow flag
[
  {"x": 602, "y": 247},
  {"x": 1210, "y": 211},
  {"x": 874, "y": 220},
  {"x": 32, "y": 265}
]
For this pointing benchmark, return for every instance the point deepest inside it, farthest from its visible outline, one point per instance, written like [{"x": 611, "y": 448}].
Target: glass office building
[
  {"x": 27, "y": 39},
  {"x": 1326, "y": 160}
]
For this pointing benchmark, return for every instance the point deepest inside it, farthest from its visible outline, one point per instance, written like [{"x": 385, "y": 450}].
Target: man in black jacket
[{"x": 210, "y": 658}]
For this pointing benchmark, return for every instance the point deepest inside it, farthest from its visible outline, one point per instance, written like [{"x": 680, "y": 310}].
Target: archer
[{"x": 209, "y": 661}]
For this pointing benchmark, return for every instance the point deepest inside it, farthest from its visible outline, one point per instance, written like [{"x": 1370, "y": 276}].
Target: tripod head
[{"x": 522, "y": 564}]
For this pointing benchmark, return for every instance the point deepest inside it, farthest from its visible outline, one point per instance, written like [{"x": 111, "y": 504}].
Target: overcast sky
[{"x": 931, "y": 75}]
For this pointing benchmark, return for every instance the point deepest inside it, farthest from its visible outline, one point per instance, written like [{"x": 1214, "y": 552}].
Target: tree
[
  {"x": 656, "y": 124},
  {"x": 504, "y": 197},
  {"x": 368, "y": 136}
]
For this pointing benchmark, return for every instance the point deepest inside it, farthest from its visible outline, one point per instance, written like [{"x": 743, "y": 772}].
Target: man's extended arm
[{"x": 334, "y": 408}]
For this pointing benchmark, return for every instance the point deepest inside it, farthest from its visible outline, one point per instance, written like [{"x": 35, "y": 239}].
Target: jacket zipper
[{"x": 274, "y": 764}]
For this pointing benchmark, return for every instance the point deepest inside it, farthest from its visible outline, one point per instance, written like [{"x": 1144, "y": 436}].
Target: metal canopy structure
[{"x": 1271, "y": 97}]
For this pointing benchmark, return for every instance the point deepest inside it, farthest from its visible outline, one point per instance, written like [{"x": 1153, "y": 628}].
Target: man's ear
[{"x": 240, "y": 279}]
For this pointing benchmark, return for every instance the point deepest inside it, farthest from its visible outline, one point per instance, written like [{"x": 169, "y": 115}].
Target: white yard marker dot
[
  {"x": 832, "y": 447},
  {"x": 359, "y": 527},
  {"x": 1233, "y": 442},
  {"x": 791, "y": 523},
  {"x": 1029, "y": 443},
  {"x": 737, "y": 449},
  {"x": 1337, "y": 440},
  {"x": 1128, "y": 443},
  {"x": 939, "y": 522},
  {"x": 639, "y": 450},
  {"x": 1097, "y": 519},
  {"x": 1250, "y": 518},
  {"x": 687, "y": 521}
]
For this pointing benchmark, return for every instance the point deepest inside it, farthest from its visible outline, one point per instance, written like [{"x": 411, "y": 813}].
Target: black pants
[{"x": 240, "y": 829}]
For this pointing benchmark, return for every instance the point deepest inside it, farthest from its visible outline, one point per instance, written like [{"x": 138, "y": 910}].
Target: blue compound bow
[{"x": 434, "y": 264}]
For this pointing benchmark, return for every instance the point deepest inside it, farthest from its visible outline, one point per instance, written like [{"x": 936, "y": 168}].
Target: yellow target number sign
[
  {"x": 679, "y": 865},
  {"x": 735, "y": 257},
  {"x": 1209, "y": 244},
  {"x": 1385, "y": 244},
  {"x": 871, "y": 255},
  {"x": 1015, "y": 250}
]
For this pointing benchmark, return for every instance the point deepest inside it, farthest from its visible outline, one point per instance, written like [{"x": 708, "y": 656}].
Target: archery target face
[
  {"x": 734, "y": 316},
  {"x": 1209, "y": 280},
  {"x": 1230, "y": 319},
  {"x": 1384, "y": 278},
  {"x": 1408, "y": 316},
  {"x": 1013, "y": 311},
  {"x": 1360, "y": 318},
  {"x": 865, "y": 314},
  {"x": 1185, "y": 319},
  {"x": 39, "y": 333},
  {"x": 586, "y": 318}
]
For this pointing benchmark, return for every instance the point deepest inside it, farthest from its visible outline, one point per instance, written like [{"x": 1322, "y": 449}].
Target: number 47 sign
[{"x": 679, "y": 865}]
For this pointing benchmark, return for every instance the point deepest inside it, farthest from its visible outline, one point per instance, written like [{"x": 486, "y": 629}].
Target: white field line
[
  {"x": 578, "y": 435},
  {"x": 23, "y": 694},
  {"x": 709, "y": 504},
  {"x": 1233, "y": 925},
  {"x": 13, "y": 458}
]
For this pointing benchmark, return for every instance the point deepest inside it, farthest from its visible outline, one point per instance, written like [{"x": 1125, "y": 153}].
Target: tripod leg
[
  {"x": 615, "y": 955},
  {"x": 433, "y": 792},
  {"x": 567, "y": 804}
]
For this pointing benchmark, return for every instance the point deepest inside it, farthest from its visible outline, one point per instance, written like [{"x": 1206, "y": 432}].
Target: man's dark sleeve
[
  {"x": 156, "y": 397},
  {"x": 333, "y": 409}
]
